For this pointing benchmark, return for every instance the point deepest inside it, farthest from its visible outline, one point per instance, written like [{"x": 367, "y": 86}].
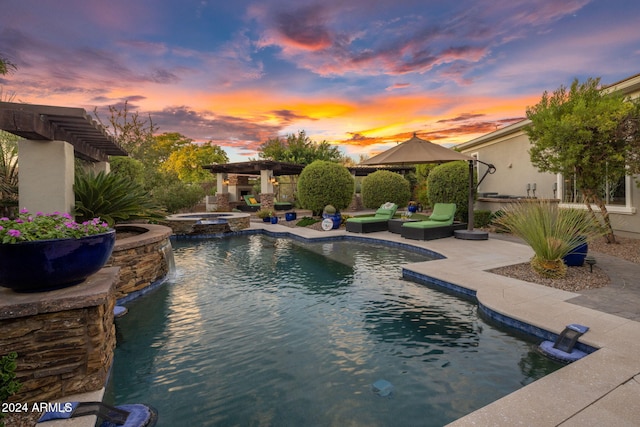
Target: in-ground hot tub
[{"x": 200, "y": 223}]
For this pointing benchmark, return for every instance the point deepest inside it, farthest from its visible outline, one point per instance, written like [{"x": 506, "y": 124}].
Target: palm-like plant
[
  {"x": 8, "y": 172},
  {"x": 551, "y": 232},
  {"x": 112, "y": 198}
]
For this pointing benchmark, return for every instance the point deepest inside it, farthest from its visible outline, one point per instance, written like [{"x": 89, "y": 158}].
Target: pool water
[{"x": 261, "y": 331}]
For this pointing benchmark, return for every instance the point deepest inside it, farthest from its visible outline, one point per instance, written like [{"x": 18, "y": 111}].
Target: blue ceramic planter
[
  {"x": 274, "y": 220},
  {"x": 52, "y": 264},
  {"x": 290, "y": 216},
  {"x": 577, "y": 256},
  {"x": 336, "y": 218}
]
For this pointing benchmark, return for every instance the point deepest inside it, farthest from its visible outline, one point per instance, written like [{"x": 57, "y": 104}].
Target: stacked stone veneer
[
  {"x": 140, "y": 257},
  {"x": 64, "y": 338},
  {"x": 189, "y": 226}
]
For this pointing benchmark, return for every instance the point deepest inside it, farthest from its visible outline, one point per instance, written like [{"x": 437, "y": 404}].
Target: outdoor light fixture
[
  {"x": 273, "y": 181},
  {"x": 225, "y": 182}
]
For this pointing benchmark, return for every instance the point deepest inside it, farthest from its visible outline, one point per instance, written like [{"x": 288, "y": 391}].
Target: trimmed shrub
[
  {"x": 384, "y": 186},
  {"x": 449, "y": 183},
  {"x": 481, "y": 218},
  {"x": 324, "y": 183}
]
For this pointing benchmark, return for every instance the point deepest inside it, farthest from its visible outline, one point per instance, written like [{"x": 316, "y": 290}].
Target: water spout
[{"x": 167, "y": 254}]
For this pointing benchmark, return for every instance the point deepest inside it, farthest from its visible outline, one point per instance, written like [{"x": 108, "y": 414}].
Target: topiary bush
[
  {"x": 449, "y": 183},
  {"x": 324, "y": 183},
  {"x": 384, "y": 186}
]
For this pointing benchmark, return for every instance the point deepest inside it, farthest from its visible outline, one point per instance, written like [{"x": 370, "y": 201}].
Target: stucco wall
[{"x": 513, "y": 168}]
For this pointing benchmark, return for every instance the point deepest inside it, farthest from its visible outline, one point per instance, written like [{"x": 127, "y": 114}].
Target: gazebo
[
  {"x": 54, "y": 136},
  {"x": 233, "y": 183}
]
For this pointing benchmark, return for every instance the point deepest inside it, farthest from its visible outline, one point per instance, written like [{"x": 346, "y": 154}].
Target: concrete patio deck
[{"x": 600, "y": 390}]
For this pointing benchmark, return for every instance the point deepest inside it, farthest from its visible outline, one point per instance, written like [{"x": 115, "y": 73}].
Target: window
[{"x": 613, "y": 192}]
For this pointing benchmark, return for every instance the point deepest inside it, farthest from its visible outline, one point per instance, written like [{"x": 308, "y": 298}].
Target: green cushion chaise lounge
[
  {"x": 440, "y": 224},
  {"x": 252, "y": 204},
  {"x": 377, "y": 222}
]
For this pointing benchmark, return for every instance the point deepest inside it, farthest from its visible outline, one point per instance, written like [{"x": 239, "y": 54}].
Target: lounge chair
[
  {"x": 440, "y": 224},
  {"x": 377, "y": 222},
  {"x": 252, "y": 204}
]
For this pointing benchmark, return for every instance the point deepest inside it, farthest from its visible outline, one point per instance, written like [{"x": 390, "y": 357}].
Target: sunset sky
[{"x": 362, "y": 74}]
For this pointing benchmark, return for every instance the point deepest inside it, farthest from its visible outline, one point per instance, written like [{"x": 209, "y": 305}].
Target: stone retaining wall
[
  {"x": 140, "y": 257},
  {"x": 64, "y": 338}
]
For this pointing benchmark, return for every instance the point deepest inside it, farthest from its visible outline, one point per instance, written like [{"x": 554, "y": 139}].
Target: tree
[
  {"x": 160, "y": 162},
  {"x": 299, "y": 149},
  {"x": 587, "y": 133},
  {"x": 163, "y": 145},
  {"x": 187, "y": 161},
  {"x": 6, "y": 66},
  {"x": 132, "y": 132}
]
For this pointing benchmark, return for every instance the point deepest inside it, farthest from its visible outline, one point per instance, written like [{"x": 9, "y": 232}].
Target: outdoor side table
[{"x": 395, "y": 225}]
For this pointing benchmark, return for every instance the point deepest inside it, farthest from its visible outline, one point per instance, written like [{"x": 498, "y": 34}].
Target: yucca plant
[
  {"x": 112, "y": 198},
  {"x": 551, "y": 232}
]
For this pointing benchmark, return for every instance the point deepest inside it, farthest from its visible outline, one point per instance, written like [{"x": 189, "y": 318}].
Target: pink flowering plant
[{"x": 30, "y": 227}]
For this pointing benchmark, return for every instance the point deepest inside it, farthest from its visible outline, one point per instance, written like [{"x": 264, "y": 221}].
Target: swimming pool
[{"x": 257, "y": 330}]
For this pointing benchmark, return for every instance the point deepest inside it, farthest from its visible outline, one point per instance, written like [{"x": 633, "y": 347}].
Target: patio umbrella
[{"x": 417, "y": 150}]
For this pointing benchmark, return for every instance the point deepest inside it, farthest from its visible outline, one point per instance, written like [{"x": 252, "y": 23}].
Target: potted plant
[
  {"x": 265, "y": 214},
  {"x": 332, "y": 213},
  {"x": 49, "y": 251}
]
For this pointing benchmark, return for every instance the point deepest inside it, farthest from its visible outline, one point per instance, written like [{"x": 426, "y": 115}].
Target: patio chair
[
  {"x": 440, "y": 224},
  {"x": 252, "y": 204},
  {"x": 377, "y": 222}
]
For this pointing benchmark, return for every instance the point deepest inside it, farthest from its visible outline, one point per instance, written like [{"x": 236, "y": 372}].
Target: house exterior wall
[
  {"x": 514, "y": 170},
  {"x": 508, "y": 150}
]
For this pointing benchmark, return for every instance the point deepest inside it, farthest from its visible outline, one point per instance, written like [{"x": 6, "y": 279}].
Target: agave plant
[
  {"x": 552, "y": 232},
  {"x": 113, "y": 198}
]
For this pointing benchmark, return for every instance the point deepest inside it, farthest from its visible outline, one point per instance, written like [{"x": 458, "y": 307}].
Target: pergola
[
  {"x": 54, "y": 136},
  {"x": 230, "y": 188}
]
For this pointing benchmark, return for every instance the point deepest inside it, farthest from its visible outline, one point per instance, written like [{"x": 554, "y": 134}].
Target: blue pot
[
  {"x": 45, "y": 265},
  {"x": 266, "y": 219},
  {"x": 576, "y": 257},
  {"x": 412, "y": 209},
  {"x": 336, "y": 218},
  {"x": 274, "y": 220},
  {"x": 290, "y": 216}
]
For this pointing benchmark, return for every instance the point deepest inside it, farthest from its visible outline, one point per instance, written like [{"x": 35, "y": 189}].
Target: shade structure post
[{"x": 471, "y": 200}]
